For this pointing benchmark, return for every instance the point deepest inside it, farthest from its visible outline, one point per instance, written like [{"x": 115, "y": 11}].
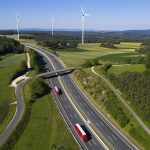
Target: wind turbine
[
  {"x": 83, "y": 14},
  {"x": 18, "y": 21},
  {"x": 52, "y": 24}
]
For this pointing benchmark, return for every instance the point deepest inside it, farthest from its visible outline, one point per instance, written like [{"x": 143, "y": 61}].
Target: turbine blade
[
  {"x": 82, "y": 11},
  {"x": 87, "y": 14},
  {"x": 17, "y": 14}
]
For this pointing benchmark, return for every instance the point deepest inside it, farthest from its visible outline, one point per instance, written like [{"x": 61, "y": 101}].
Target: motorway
[
  {"x": 71, "y": 116},
  {"x": 112, "y": 136}
]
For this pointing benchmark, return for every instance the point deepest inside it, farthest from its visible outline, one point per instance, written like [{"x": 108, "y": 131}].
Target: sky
[{"x": 104, "y": 14}]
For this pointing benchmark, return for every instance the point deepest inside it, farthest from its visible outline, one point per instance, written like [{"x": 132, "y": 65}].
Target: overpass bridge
[{"x": 56, "y": 73}]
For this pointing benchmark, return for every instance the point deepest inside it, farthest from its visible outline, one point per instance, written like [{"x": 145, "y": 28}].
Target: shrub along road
[{"x": 123, "y": 102}]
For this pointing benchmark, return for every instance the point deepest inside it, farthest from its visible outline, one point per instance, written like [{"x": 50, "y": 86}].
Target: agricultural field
[
  {"x": 8, "y": 66},
  {"x": 122, "y": 58},
  {"x": 117, "y": 69},
  {"x": 47, "y": 124},
  {"x": 89, "y": 51}
]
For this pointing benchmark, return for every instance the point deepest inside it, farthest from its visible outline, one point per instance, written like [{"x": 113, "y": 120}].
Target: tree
[{"x": 147, "y": 61}]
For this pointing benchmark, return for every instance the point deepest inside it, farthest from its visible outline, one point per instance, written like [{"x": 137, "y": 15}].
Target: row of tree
[
  {"x": 90, "y": 63},
  {"x": 108, "y": 45},
  {"x": 136, "y": 87},
  {"x": 20, "y": 71},
  {"x": 37, "y": 61}
]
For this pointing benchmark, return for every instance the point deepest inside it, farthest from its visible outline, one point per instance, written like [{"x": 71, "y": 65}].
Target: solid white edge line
[{"x": 71, "y": 101}]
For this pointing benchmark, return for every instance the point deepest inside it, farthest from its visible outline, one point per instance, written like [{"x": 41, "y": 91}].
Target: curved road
[
  {"x": 69, "y": 112},
  {"x": 18, "y": 114},
  {"x": 111, "y": 134}
]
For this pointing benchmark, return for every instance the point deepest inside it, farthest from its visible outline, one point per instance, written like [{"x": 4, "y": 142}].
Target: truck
[
  {"x": 56, "y": 90},
  {"x": 81, "y": 132}
]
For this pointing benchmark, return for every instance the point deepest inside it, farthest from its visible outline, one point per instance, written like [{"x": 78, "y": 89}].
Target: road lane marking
[
  {"x": 75, "y": 115},
  {"x": 88, "y": 113},
  {"x": 94, "y": 142},
  {"x": 92, "y": 113},
  {"x": 101, "y": 123},
  {"x": 98, "y": 124},
  {"x": 110, "y": 138},
  {"x": 71, "y": 116},
  {"x": 69, "y": 97},
  {"x": 114, "y": 137}
]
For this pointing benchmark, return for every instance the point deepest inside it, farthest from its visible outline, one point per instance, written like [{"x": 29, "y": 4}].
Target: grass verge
[
  {"x": 100, "y": 104},
  {"x": 46, "y": 128},
  {"x": 7, "y": 93}
]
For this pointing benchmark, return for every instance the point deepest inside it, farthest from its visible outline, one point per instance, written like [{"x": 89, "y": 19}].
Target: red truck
[
  {"x": 56, "y": 90},
  {"x": 81, "y": 132}
]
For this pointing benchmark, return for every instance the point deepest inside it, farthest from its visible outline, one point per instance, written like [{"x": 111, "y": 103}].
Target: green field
[
  {"x": 117, "y": 69},
  {"x": 46, "y": 130},
  {"x": 122, "y": 58},
  {"x": 15, "y": 36},
  {"x": 10, "y": 59},
  {"x": 7, "y": 93},
  {"x": 76, "y": 56}
]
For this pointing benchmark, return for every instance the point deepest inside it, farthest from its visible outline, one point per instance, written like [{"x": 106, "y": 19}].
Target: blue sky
[{"x": 105, "y": 14}]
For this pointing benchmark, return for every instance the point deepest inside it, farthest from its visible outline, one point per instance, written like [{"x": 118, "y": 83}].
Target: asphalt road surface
[
  {"x": 18, "y": 114},
  {"x": 112, "y": 136},
  {"x": 71, "y": 116}
]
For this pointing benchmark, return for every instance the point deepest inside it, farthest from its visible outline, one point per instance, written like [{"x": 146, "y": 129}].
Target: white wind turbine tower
[
  {"x": 83, "y": 14},
  {"x": 18, "y": 21},
  {"x": 52, "y": 24}
]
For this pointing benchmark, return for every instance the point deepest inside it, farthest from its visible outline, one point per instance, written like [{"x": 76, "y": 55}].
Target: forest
[
  {"x": 8, "y": 45},
  {"x": 136, "y": 88}
]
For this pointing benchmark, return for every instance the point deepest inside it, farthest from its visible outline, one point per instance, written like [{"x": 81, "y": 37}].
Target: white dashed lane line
[
  {"x": 110, "y": 138},
  {"x": 94, "y": 142},
  {"x": 114, "y": 137},
  {"x": 101, "y": 123}
]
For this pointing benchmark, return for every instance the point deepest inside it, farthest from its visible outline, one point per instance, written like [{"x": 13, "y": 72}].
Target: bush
[
  {"x": 147, "y": 61},
  {"x": 37, "y": 89},
  {"x": 108, "y": 45},
  {"x": 114, "y": 108},
  {"x": 19, "y": 72},
  {"x": 37, "y": 61},
  {"x": 90, "y": 63},
  {"x": 106, "y": 67},
  {"x": 136, "y": 134}
]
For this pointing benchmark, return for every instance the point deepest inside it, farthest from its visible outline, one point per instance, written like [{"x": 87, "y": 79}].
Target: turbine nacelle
[
  {"x": 83, "y": 13},
  {"x": 17, "y": 14}
]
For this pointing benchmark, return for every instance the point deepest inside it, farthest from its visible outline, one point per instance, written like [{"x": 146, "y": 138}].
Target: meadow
[
  {"x": 77, "y": 56},
  {"x": 8, "y": 66},
  {"x": 117, "y": 69},
  {"x": 46, "y": 128}
]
